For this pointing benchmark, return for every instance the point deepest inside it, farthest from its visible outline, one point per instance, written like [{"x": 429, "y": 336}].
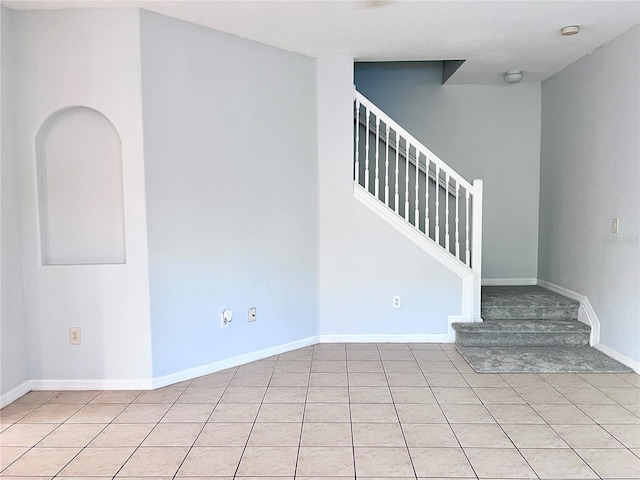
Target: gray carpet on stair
[
  {"x": 532, "y": 333},
  {"x": 526, "y": 302},
  {"x": 539, "y": 360}
]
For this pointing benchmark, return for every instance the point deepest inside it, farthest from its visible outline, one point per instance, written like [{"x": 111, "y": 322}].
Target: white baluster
[
  {"x": 366, "y": 159},
  {"x": 427, "y": 162},
  {"x": 457, "y": 221},
  {"x": 396, "y": 196},
  {"x": 377, "y": 185},
  {"x": 386, "y": 168},
  {"x": 406, "y": 181},
  {"x": 466, "y": 252},
  {"x": 357, "y": 141},
  {"x": 416, "y": 213},
  {"x": 476, "y": 245},
  {"x": 446, "y": 211},
  {"x": 437, "y": 237}
]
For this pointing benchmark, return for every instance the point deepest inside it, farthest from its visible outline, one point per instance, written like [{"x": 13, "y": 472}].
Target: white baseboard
[
  {"x": 623, "y": 359},
  {"x": 586, "y": 313},
  {"x": 390, "y": 338},
  {"x": 15, "y": 393},
  {"x": 231, "y": 362},
  {"x": 92, "y": 384},
  {"x": 508, "y": 282},
  {"x": 149, "y": 384}
]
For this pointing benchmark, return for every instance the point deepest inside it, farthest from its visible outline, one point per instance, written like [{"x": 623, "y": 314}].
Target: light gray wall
[
  {"x": 490, "y": 132},
  {"x": 13, "y": 334},
  {"x": 231, "y": 181},
  {"x": 91, "y": 58},
  {"x": 590, "y": 171},
  {"x": 363, "y": 261}
]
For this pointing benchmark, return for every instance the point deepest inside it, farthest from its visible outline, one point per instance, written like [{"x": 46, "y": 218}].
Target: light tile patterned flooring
[{"x": 383, "y": 411}]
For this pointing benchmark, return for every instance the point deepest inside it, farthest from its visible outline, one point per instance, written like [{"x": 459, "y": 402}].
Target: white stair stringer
[{"x": 469, "y": 281}]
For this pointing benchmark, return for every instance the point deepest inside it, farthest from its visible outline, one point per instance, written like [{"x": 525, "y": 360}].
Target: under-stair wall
[
  {"x": 363, "y": 261},
  {"x": 418, "y": 194}
]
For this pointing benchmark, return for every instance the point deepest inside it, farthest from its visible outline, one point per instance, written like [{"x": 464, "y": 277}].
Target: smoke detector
[
  {"x": 513, "y": 76},
  {"x": 570, "y": 30}
]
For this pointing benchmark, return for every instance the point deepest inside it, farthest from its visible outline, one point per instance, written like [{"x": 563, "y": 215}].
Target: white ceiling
[{"x": 492, "y": 36}]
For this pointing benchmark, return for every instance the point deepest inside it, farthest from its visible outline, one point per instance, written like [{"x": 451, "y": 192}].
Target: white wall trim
[
  {"x": 231, "y": 362},
  {"x": 619, "y": 357},
  {"x": 92, "y": 384},
  {"x": 503, "y": 282},
  {"x": 389, "y": 338},
  {"x": 15, "y": 393},
  {"x": 586, "y": 313}
]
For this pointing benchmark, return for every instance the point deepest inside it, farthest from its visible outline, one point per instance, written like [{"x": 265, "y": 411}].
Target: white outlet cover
[
  {"x": 252, "y": 314},
  {"x": 397, "y": 301}
]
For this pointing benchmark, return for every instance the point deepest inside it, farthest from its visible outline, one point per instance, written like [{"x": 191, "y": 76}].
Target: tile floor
[{"x": 377, "y": 411}]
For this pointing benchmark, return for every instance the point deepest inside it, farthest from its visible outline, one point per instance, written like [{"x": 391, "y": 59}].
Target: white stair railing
[{"x": 404, "y": 175}]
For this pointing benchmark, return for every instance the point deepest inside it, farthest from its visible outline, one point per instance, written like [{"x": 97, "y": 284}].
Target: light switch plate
[{"x": 75, "y": 337}]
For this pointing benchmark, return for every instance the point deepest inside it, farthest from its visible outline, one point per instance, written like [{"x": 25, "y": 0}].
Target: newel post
[{"x": 476, "y": 247}]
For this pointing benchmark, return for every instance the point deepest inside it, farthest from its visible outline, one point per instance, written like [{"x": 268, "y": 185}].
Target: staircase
[
  {"x": 502, "y": 329},
  {"x": 524, "y": 316},
  {"x": 529, "y": 329},
  {"x": 414, "y": 191}
]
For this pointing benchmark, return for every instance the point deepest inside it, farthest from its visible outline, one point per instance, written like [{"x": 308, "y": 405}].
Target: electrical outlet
[
  {"x": 397, "y": 301},
  {"x": 225, "y": 318},
  {"x": 74, "y": 336},
  {"x": 252, "y": 314},
  {"x": 615, "y": 224}
]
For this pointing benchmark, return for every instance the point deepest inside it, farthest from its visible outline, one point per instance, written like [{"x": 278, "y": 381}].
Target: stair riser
[
  {"x": 493, "y": 339},
  {"x": 535, "y": 313}
]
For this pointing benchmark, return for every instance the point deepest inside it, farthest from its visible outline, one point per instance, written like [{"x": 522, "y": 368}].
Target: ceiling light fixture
[
  {"x": 570, "y": 30},
  {"x": 513, "y": 76}
]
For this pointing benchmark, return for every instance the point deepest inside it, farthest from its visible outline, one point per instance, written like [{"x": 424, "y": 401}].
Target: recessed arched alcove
[{"x": 80, "y": 189}]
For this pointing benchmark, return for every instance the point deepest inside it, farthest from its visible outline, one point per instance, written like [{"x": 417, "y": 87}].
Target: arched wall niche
[{"x": 80, "y": 189}]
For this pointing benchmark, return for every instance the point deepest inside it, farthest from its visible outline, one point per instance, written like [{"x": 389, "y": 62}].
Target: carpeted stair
[{"x": 529, "y": 329}]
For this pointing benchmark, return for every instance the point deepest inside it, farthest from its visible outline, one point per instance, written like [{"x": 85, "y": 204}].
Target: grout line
[
  {"x": 449, "y": 423},
  {"x": 203, "y": 426},
  {"x": 395, "y": 408},
  {"x": 304, "y": 412},
  {"x": 256, "y": 417},
  {"x": 152, "y": 429}
]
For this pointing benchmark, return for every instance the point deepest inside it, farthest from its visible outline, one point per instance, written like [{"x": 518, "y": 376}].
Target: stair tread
[
  {"x": 524, "y": 316},
  {"x": 524, "y": 297},
  {"x": 523, "y": 326}
]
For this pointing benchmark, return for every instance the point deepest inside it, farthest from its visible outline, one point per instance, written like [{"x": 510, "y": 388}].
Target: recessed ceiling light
[
  {"x": 570, "y": 30},
  {"x": 513, "y": 76}
]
